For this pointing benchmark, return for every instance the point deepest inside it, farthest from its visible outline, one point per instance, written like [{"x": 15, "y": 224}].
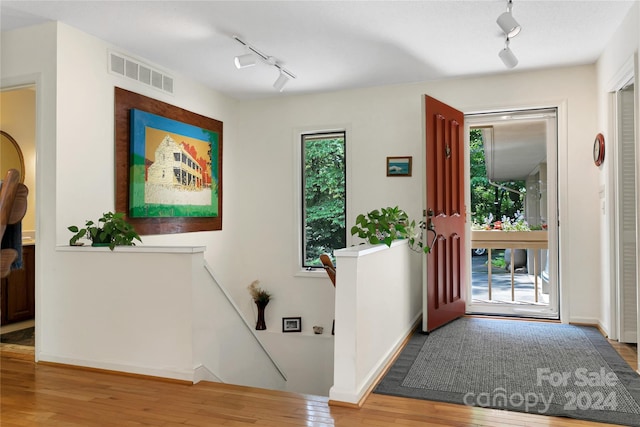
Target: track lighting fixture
[
  {"x": 511, "y": 28},
  {"x": 507, "y": 22},
  {"x": 249, "y": 59},
  {"x": 507, "y": 56}
]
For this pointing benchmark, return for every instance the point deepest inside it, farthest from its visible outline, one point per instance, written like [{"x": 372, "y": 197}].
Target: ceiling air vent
[{"x": 126, "y": 66}]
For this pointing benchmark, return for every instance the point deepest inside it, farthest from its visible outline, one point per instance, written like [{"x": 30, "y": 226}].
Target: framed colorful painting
[
  {"x": 168, "y": 166},
  {"x": 173, "y": 168}
]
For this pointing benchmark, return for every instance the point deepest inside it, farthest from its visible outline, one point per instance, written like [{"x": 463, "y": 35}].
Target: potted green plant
[
  {"x": 111, "y": 230},
  {"x": 389, "y": 224}
]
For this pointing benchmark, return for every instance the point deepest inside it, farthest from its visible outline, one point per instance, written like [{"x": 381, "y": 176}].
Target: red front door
[{"x": 446, "y": 276}]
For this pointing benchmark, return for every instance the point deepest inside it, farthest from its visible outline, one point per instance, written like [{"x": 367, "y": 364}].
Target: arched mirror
[{"x": 10, "y": 156}]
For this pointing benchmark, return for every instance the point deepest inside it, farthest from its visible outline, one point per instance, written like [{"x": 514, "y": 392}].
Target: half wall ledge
[{"x": 135, "y": 249}]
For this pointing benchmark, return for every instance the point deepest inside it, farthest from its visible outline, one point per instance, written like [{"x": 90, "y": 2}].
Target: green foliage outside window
[
  {"x": 324, "y": 209},
  {"x": 485, "y": 198}
]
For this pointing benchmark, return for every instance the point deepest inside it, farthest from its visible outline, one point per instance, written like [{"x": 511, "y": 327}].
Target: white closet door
[{"x": 627, "y": 216}]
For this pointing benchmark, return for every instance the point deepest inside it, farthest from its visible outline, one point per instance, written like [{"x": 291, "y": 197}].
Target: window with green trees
[{"x": 323, "y": 195}]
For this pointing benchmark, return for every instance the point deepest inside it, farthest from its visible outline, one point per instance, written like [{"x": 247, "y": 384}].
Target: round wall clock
[{"x": 598, "y": 149}]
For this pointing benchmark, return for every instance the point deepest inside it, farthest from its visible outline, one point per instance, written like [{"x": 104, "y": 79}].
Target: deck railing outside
[{"x": 497, "y": 239}]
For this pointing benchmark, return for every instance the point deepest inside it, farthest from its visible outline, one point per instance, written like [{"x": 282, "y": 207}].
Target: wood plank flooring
[{"x": 43, "y": 395}]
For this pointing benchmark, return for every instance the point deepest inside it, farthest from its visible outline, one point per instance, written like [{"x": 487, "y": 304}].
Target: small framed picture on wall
[
  {"x": 399, "y": 166},
  {"x": 291, "y": 324}
]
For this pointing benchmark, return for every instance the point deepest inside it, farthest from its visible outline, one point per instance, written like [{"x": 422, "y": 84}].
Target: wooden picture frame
[
  {"x": 399, "y": 166},
  {"x": 292, "y": 324},
  {"x": 126, "y": 101}
]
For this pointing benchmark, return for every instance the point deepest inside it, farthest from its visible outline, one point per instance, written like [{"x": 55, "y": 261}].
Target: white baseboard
[
  {"x": 590, "y": 321},
  {"x": 202, "y": 373},
  {"x": 585, "y": 321},
  {"x": 181, "y": 375}
]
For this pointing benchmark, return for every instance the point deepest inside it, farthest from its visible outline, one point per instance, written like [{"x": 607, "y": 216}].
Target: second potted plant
[{"x": 389, "y": 224}]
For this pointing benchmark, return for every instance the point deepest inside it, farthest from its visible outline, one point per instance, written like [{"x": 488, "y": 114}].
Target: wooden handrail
[{"x": 329, "y": 267}]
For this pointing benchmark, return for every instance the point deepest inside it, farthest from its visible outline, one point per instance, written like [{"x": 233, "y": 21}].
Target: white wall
[
  {"x": 85, "y": 150},
  {"x": 226, "y": 347},
  {"x": 616, "y": 60},
  {"x": 387, "y": 121},
  {"x": 75, "y": 149},
  {"x": 128, "y": 311},
  {"x": 308, "y": 358}
]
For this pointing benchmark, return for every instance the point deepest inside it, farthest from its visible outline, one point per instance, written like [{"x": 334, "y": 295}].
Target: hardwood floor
[
  {"x": 629, "y": 352},
  {"x": 45, "y": 395}
]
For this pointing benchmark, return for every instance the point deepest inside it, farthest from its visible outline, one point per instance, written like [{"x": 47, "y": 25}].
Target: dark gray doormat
[{"x": 534, "y": 367}]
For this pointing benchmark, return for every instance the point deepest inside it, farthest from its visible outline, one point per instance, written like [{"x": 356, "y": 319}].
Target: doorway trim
[
  {"x": 34, "y": 80},
  {"x": 626, "y": 74},
  {"x": 559, "y": 204}
]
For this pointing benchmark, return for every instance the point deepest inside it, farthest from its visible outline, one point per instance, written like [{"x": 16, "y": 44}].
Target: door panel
[
  {"x": 457, "y": 191},
  {"x": 438, "y": 167},
  {"x": 445, "y": 287}
]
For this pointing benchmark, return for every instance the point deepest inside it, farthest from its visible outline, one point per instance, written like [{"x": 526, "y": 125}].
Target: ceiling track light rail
[{"x": 248, "y": 60}]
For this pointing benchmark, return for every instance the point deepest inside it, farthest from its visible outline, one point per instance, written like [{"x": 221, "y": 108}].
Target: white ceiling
[
  {"x": 334, "y": 45},
  {"x": 515, "y": 149}
]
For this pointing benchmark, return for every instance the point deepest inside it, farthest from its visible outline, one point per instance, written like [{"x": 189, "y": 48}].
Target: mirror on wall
[{"x": 10, "y": 156}]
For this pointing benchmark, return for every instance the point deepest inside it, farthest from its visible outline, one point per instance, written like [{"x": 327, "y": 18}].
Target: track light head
[
  {"x": 246, "y": 60},
  {"x": 508, "y": 24},
  {"x": 507, "y": 56},
  {"x": 280, "y": 82}
]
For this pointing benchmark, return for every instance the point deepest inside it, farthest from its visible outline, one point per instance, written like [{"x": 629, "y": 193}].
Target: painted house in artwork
[{"x": 174, "y": 166}]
